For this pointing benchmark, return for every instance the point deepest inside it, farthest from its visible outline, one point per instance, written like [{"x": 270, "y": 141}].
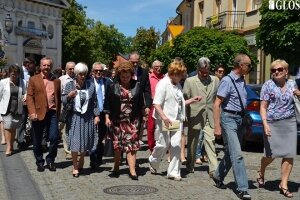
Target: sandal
[
  {"x": 75, "y": 173},
  {"x": 285, "y": 192},
  {"x": 260, "y": 179}
]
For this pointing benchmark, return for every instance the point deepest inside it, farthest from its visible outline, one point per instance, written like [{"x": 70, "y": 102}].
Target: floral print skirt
[{"x": 126, "y": 136}]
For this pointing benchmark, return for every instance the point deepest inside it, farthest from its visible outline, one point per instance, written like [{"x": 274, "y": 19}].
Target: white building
[{"x": 31, "y": 28}]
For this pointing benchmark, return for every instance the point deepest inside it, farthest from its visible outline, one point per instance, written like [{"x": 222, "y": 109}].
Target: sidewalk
[{"x": 90, "y": 185}]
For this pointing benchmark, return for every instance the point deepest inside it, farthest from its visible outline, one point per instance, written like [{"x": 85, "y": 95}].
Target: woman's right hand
[
  {"x": 72, "y": 94},
  {"x": 167, "y": 122},
  {"x": 267, "y": 130}
]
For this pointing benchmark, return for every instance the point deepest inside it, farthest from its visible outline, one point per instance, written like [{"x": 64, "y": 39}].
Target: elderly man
[
  {"x": 200, "y": 114},
  {"x": 102, "y": 83},
  {"x": 63, "y": 82},
  {"x": 154, "y": 77},
  {"x": 231, "y": 93},
  {"x": 44, "y": 103}
]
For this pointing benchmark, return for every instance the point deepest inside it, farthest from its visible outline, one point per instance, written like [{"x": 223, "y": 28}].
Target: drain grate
[{"x": 130, "y": 190}]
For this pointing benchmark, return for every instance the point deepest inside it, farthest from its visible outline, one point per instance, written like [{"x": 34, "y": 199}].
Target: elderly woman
[
  {"x": 278, "y": 115},
  {"x": 123, "y": 106},
  {"x": 85, "y": 117},
  {"x": 169, "y": 107},
  {"x": 12, "y": 90}
]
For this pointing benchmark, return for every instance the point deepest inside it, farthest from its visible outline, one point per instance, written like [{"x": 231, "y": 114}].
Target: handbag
[
  {"x": 247, "y": 120},
  {"x": 297, "y": 108},
  {"x": 174, "y": 127},
  {"x": 66, "y": 113},
  {"x": 108, "y": 150}
]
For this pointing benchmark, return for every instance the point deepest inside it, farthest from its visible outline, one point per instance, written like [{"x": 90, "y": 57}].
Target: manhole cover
[{"x": 130, "y": 190}]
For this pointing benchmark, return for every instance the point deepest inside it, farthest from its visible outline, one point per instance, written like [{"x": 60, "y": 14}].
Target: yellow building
[{"x": 226, "y": 15}]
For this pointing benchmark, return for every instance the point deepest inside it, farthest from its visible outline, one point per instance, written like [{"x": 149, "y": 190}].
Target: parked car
[{"x": 255, "y": 133}]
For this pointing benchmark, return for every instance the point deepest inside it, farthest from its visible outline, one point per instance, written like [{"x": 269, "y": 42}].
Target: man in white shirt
[{"x": 63, "y": 81}]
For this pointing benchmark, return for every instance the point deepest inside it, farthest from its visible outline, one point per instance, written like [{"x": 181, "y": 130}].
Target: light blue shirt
[{"x": 227, "y": 90}]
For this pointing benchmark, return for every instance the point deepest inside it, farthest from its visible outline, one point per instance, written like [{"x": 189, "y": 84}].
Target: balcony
[
  {"x": 31, "y": 32},
  {"x": 228, "y": 20}
]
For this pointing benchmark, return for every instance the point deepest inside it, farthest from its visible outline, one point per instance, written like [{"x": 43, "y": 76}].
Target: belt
[{"x": 233, "y": 112}]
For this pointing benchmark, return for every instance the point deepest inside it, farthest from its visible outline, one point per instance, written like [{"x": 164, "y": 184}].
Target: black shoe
[
  {"x": 133, "y": 177},
  {"x": 114, "y": 174},
  {"x": 51, "y": 167},
  {"x": 40, "y": 168},
  {"x": 94, "y": 165},
  {"x": 244, "y": 195},
  {"x": 22, "y": 145},
  {"x": 219, "y": 184}
]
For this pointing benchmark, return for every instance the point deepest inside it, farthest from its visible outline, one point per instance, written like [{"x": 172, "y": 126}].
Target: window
[
  {"x": 50, "y": 31},
  {"x": 201, "y": 10},
  {"x": 218, "y": 4},
  {"x": 30, "y": 24}
]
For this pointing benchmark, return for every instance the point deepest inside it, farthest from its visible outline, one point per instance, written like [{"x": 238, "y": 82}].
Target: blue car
[{"x": 255, "y": 133}]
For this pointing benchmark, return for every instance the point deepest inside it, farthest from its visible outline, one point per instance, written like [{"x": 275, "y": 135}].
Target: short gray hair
[
  {"x": 157, "y": 62},
  {"x": 81, "y": 68},
  {"x": 97, "y": 63},
  {"x": 203, "y": 62}
]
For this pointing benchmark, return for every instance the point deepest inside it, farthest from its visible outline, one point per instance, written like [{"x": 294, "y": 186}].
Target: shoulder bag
[{"x": 247, "y": 121}]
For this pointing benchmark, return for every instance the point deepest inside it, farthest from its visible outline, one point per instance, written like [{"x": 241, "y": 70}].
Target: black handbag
[
  {"x": 108, "y": 144},
  {"x": 247, "y": 120},
  {"x": 66, "y": 113}
]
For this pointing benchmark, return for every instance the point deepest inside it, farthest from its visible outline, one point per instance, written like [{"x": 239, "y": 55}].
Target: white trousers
[{"x": 167, "y": 141}]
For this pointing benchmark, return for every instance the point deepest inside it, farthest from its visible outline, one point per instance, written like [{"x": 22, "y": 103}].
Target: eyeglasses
[
  {"x": 220, "y": 71},
  {"x": 98, "y": 70},
  {"x": 280, "y": 69},
  {"x": 70, "y": 69}
]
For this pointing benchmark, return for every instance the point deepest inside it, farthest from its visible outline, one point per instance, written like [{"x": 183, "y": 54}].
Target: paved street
[{"x": 90, "y": 185}]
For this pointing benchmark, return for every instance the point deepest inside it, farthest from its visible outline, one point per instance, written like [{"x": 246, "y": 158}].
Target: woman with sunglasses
[{"x": 278, "y": 116}]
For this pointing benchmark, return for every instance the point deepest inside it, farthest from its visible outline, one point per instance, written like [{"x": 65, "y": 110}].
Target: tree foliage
[
  {"x": 145, "y": 42},
  {"x": 279, "y": 33},
  {"x": 87, "y": 40},
  {"x": 220, "y": 47},
  {"x": 76, "y": 40}
]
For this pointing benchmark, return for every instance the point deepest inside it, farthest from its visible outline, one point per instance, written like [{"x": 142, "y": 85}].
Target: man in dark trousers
[{"x": 101, "y": 84}]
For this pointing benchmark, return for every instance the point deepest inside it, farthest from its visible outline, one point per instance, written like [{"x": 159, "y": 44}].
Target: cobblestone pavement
[{"x": 90, "y": 185}]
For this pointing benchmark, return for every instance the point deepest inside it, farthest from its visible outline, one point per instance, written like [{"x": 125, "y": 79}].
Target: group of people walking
[{"x": 211, "y": 105}]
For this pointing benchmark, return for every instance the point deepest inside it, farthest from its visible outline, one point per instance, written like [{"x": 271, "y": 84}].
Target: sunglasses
[
  {"x": 280, "y": 69},
  {"x": 220, "y": 71},
  {"x": 98, "y": 70}
]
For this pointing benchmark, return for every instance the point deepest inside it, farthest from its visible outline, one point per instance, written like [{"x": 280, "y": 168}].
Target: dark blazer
[
  {"x": 37, "y": 97},
  {"x": 143, "y": 78},
  {"x": 112, "y": 103},
  {"x": 106, "y": 82}
]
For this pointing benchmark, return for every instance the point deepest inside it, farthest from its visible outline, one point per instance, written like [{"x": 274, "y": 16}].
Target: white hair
[
  {"x": 203, "y": 62},
  {"x": 81, "y": 68}
]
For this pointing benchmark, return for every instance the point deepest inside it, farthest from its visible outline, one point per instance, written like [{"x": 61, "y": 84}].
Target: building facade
[
  {"x": 227, "y": 15},
  {"x": 36, "y": 29}
]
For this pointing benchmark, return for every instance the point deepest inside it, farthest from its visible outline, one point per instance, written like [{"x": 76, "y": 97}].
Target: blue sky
[{"x": 128, "y": 15}]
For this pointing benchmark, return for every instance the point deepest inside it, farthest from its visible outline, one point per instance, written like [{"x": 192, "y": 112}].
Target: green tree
[
  {"x": 220, "y": 47},
  {"x": 279, "y": 33},
  {"x": 107, "y": 42},
  {"x": 76, "y": 37},
  {"x": 145, "y": 42}
]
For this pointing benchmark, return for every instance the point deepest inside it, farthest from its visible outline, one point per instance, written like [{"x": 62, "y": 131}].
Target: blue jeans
[
  {"x": 232, "y": 135},
  {"x": 50, "y": 122},
  {"x": 199, "y": 149}
]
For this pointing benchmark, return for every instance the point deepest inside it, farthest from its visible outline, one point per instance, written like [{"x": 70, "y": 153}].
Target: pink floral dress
[{"x": 125, "y": 131}]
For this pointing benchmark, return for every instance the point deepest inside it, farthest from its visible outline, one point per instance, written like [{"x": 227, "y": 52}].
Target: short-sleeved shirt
[
  {"x": 227, "y": 90},
  {"x": 281, "y": 105}
]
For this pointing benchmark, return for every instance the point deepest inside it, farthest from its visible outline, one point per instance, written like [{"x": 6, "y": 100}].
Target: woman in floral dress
[{"x": 123, "y": 105}]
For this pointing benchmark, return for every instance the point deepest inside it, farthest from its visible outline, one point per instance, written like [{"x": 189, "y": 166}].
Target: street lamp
[{"x": 8, "y": 23}]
